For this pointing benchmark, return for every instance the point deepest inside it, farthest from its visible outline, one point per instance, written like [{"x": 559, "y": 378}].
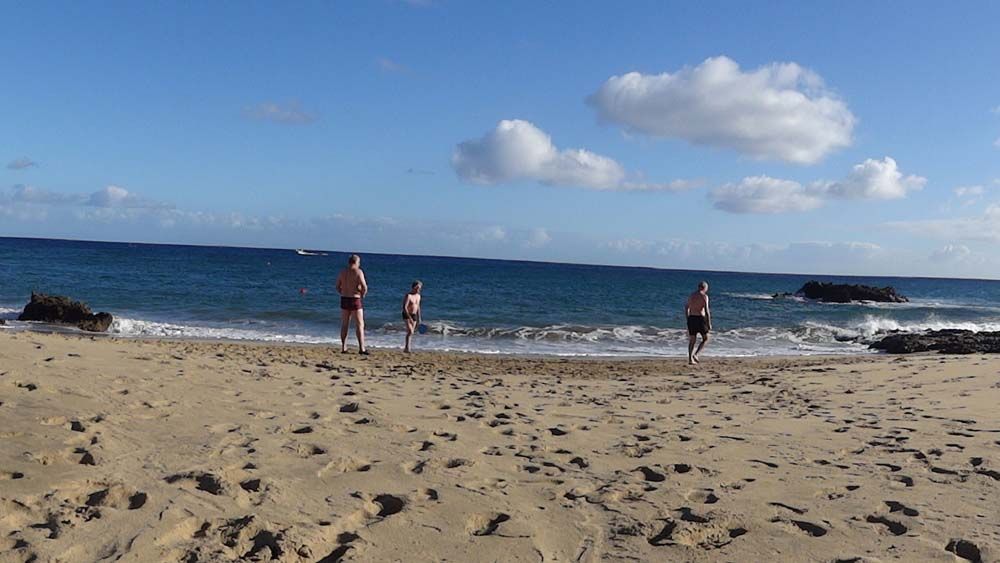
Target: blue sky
[{"x": 857, "y": 138}]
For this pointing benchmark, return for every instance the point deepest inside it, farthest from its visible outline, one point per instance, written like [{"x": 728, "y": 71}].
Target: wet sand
[{"x": 200, "y": 451}]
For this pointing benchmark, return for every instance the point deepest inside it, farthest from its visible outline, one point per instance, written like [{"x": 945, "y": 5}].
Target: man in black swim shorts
[{"x": 699, "y": 321}]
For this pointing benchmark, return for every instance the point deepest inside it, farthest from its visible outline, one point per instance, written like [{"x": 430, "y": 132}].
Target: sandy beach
[{"x": 137, "y": 450}]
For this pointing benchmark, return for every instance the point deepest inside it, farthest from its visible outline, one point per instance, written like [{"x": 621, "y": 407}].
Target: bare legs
[
  {"x": 359, "y": 325},
  {"x": 692, "y": 353},
  {"x": 411, "y": 324},
  {"x": 345, "y": 324}
]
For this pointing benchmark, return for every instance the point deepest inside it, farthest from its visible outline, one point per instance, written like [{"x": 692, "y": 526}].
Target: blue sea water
[{"x": 488, "y": 306}]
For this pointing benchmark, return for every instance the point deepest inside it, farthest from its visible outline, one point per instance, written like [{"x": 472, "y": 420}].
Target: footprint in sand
[
  {"x": 116, "y": 496},
  {"x": 900, "y": 507},
  {"x": 893, "y": 527},
  {"x": 344, "y": 540},
  {"x": 202, "y": 481},
  {"x": 386, "y": 505},
  {"x": 650, "y": 474},
  {"x": 799, "y": 511},
  {"x": 965, "y": 549},
  {"x": 703, "y": 496},
  {"x": 251, "y": 485},
  {"x": 485, "y": 524},
  {"x": 812, "y": 530},
  {"x": 346, "y": 465}
]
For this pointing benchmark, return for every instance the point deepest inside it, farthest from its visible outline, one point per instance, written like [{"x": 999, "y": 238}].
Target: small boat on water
[{"x": 302, "y": 252}]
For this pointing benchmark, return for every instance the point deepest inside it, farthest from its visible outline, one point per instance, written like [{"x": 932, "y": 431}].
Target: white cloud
[
  {"x": 875, "y": 179},
  {"x": 116, "y": 196},
  {"x": 950, "y": 253},
  {"x": 763, "y": 194},
  {"x": 493, "y": 233},
  {"x": 872, "y": 179},
  {"x": 109, "y": 197},
  {"x": 290, "y": 113},
  {"x": 969, "y": 191},
  {"x": 779, "y": 111},
  {"x": 31, "y": 194},
  {"x": 21, "y": 163},
  {"x": 518, "y": 150},
  {"x": 537, "y": 238}
]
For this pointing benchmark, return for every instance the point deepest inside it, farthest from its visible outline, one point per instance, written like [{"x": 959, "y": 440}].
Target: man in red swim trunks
[
  {"x": 352, "y": 287},
  {"x": 699, "y": 321}
]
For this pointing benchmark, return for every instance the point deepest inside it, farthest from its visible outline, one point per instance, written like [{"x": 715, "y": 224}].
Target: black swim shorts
[{"x": 697, "y": 325}]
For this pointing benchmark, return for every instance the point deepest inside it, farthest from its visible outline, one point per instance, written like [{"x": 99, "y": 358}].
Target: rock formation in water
[
  {"x": 846, "y": 293},
  {"x": 949, "y": 341},
  {"x": 63, "y": 310}
]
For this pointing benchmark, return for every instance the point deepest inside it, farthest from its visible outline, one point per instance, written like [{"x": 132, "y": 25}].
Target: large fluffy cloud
[
  {"x": 779, "y": 111},
  {"x": 518, "y": 150},
  {"x": 872, "y": 179},
  {"x": 875, "y": 179}
]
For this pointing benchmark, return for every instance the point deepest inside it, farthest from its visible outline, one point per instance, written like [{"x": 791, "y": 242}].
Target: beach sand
[{"x": 200, "y": 451}]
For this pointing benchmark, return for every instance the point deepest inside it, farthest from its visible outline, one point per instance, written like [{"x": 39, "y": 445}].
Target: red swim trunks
[{"x": 351, "y": 303}]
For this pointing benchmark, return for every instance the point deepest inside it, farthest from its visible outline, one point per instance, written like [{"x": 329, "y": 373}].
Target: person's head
[
  {"x": 416, "y": 286},
  {"x": 354, "y": 261},
  {"x": 703, "y": 286}
]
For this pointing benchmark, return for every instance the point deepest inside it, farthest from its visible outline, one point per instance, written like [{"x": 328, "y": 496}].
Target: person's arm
[
  {"x": 363, "y": 283},
  {"x": 708, "y": 315},
  {"x": 340, "y": 284}
]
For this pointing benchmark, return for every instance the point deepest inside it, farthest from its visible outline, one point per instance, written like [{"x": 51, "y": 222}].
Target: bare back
[
  {"x": 697, "y": 304},
  {"x": 351, "y": 283}
]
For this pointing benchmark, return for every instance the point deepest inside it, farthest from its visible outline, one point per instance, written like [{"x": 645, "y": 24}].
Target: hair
[
  {"x": 702, "y": 285},
  {"x": 416, "y": 284},
  {"x": 354, "y": 259}
]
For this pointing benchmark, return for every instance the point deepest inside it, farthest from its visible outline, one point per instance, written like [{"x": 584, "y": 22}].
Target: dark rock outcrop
[
  {"x": 944, "y": 341},
  {"x": 59, "y": 309},
  {"x": 99, "y": 322},
  {"x": 846, "y": 293}
]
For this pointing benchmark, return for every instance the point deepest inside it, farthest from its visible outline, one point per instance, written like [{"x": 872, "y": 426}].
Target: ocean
[{"x": 474, "y": 305}]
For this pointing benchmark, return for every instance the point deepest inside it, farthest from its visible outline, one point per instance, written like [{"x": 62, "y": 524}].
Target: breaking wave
[{"x": 574, "y": 340}]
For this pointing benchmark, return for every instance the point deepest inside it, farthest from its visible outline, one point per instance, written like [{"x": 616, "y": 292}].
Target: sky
[{"x": 811, "y": 137}]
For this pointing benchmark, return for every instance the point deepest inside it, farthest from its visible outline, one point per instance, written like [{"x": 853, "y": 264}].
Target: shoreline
[{"x": 44, "y": 328}]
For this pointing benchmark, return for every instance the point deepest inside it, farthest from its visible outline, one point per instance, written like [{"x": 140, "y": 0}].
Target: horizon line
[{"x": 550, "y": 262}]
